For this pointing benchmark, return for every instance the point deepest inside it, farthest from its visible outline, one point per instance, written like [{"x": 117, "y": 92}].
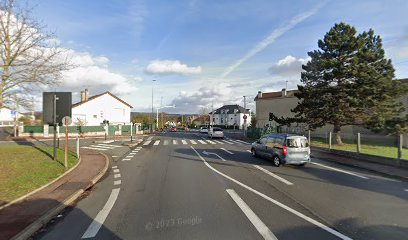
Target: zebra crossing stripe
[
  {"x": 184, "y": 142},
  {"x": 219, "y": 142},
  {"x": 211, "y": 142},
  {"x": 243, "y": 142},
  {"x": 193, "y": 142},
  {"x": 174, "y": 142},
  {"x": 202, "y": 142},
  {"x": 156, "y": 143},
  {"x": 147, "y": 142},
  {"x": 166, "y": 142},
  {"x": 227, "y": 142},
  {"x": 94, "y": 148},
  {"x": 126, "y": 159}
]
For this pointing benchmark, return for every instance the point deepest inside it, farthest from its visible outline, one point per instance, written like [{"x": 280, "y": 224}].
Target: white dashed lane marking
[
  {"x": 115, "y": 170},
  {"x": 117, "y": 182},
  {"x": 156, "y": 143},
  {"x": 184, "y": 142},
  {"x": 116, "y": 175}
]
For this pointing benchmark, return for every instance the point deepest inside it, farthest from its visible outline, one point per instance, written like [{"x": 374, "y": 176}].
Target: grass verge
[
  {"x": 383, "y": 151},
  {"x": 25, "y": 168}
]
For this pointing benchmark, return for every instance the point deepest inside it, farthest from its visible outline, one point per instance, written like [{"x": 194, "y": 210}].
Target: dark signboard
[{"x": 63, "y": 106}]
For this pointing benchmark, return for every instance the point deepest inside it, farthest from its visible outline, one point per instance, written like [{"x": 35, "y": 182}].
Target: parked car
[
  {"x": 282, "y": 149},
  {"x": 203, "y": 130},
  {"x": 173, "y": 129},
  {"x": 215, "y": 132}
]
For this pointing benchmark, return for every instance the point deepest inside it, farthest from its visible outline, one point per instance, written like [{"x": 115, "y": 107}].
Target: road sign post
[{"x": 67, "y": 121}]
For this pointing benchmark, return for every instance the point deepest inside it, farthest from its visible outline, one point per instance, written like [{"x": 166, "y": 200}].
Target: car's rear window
[
  {"x": 297, "y": 142},
  {"x": 218, "y": 129}
]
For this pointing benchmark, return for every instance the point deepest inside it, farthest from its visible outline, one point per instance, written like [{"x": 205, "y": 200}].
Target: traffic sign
[
  {"x": 245, "y": 117},
  {"x": 66, "y": 120}
]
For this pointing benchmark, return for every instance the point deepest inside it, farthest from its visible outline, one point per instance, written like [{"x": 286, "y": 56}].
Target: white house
[
  {"x": 230, "y": 115},
  {"x": 7, "y": 116},
  {"x": 93, "y": 111}
]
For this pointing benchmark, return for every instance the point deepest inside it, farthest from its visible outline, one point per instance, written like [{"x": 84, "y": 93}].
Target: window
[
  {"x": 297, "y": 143},
  {"x": 222, "y": 120},
  {"x": 124, "y": 112},
  {"x": 95, "y": 116},
  {"x": 263, "y": 140},
  {"x": 270, "y": 142},
  {"x": 279, "y": 142}
]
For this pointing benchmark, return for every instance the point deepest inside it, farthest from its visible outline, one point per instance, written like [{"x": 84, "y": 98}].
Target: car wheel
[
  {"x": 253, "y": 152},
  {"x": 276, "y": 161},
  {"x": 302, "y": 164}
]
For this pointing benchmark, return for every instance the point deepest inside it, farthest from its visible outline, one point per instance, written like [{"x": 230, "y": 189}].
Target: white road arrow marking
[{"x": 211, "y": 153}]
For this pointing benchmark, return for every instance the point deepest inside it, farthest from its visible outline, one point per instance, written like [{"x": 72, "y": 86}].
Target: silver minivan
[{"x": 282, "y": 149}]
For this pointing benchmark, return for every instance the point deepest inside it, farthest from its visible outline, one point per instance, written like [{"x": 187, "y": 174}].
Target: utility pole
[
  {"x": 245, "y": 116},
  {"x": 212, "y": 115},
  {"x": 151, "y": 115}
]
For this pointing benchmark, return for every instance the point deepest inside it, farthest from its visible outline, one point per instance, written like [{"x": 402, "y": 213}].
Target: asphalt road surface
[{"x": 185, "y": 186}]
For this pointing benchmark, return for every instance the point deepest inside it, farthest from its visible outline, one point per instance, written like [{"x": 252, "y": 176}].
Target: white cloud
[
  {"x": 272, "y": 37},
  {"x": 171, "y": 67},
  {"x": 92, "y": 72},
  {"x": 288, "y": 66}
]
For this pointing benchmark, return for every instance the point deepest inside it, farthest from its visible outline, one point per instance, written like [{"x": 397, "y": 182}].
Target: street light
[
  {"x": 157, "y": 113},
  {"x": 151, "y": 115}
]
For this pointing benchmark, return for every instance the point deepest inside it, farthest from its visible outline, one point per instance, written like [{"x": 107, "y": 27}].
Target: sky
[{"x": 204, "y": 54}]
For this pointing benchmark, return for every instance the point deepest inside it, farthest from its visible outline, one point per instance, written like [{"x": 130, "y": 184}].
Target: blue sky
[{"x": 205, "y": 53}]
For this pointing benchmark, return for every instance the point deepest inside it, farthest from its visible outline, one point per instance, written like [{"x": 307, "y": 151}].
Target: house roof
[
  {"x": 99, "y": 95},
  {"x": 268, "y": 95},
  {"x": 231, "y": 109}
]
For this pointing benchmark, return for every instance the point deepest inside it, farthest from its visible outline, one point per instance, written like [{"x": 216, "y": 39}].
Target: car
[
  {"x": 173, "y": 129},
  {"x": 216, "y": 132},
  {"x": 203, "y": 130},
  {"x": 282, "y": 149}
]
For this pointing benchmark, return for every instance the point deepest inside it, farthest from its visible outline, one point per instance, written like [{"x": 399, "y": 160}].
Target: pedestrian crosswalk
[
  {"x": 102, "y": 147},
  {"x": 157, "y": 142}
]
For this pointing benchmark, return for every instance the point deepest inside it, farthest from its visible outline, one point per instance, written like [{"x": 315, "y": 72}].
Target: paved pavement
[{"x": 185, "y": 186}]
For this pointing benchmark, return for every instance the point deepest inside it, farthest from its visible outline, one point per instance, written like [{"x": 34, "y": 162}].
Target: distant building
[
  {"x": 231, "y": 115},
  {"x": 93, "y": 111}
]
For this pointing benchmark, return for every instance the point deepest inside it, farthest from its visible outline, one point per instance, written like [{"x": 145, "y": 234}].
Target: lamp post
[
  {"x": 151, "y": 115},
  {"x": 157, "y": 113}
]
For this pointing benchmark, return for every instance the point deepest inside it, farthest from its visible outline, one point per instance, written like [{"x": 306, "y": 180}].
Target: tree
[
  {"x": 142, "y": 118},
  {"x": 348, "y": 81},
  {"x": 29, "y": 56},
  {"x": 253, "y": 122}
]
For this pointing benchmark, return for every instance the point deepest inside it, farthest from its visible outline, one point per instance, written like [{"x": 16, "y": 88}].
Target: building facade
[
  {"x": 230, "y": 115},
  {"x": 93, "y": 111}
]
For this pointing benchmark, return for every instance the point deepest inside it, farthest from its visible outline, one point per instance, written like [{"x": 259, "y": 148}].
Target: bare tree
[{"x": 29, "y": 56}]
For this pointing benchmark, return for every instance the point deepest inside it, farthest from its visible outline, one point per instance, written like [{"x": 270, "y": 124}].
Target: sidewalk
[
  {"x": 38, "y": 208},
  {"x": 373, "y": 167}
]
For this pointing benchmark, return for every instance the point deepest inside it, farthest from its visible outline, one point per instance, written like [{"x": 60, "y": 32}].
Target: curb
[
  {"x": 364, "y": 168},
  {"x": 44, "y": 219},
  {"x": 22, "y": 198}
]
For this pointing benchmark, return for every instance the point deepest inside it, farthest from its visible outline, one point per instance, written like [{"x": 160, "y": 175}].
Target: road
[{"x": 185, "y": 186}]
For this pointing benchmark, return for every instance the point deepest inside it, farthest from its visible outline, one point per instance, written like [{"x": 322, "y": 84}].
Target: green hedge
[{"x": 33, "y": 129}]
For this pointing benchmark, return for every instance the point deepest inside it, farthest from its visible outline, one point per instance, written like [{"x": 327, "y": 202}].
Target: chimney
[
  {"x": 86, "y": 94},
  {"x": 259, "y": 94},
  {"x": 82, "y": 96},
  {"x": 283, "y": 92}
]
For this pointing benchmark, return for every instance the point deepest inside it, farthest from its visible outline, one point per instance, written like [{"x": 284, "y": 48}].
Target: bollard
[
  {"x": 358, "y": 143},
  {"x": 77, "y": 147},
  {"x": 330, "y": 140}
]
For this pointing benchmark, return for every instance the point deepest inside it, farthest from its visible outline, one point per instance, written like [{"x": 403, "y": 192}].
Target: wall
[{"x": 101, "y": 108}]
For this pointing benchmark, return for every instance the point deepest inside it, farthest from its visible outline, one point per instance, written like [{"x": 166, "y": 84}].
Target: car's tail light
[{"x": 284, "y": 150}]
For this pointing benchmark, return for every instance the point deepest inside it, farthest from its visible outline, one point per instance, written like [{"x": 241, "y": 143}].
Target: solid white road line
[
  {"x": 211, "y": 142},
  {"x": 299, "y": 214},
  {"x": 202, "y": 142},
  {"x": 126, "y": 159},
  {"x": 174, "y": 142},
  {"x": 114, "y": 167},
  {"x": 228, "y": 142},
  {"x": 273, "y": 175},
  {"x": 156, "y": 143},
  {"x": 166, "y": 142},
  {"x": 248, "y": 151},
  {"x": 108, "y": 145},
  {"x": 193, "y": 142},
  {"x": 93, "y": 148},
  {"x": 102, "y": 215},
  {"x": 115, "y": 156},
  {"x": 132, "y": 153},
  {"x": 116, "y": 175},
  {"x": 339, "y": 170},
  {"x": 115, "y": 170},
  {"x": 98, "y": 146},
  {"x": 225, "y": 150},
  {"x": 117, "y": 182},
  {"x": 147, "y": 142},
  {"x": 184, "y": 142},
  {"x": 255, "y": 220}
]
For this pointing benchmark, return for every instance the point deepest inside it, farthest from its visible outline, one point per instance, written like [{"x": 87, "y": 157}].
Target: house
[
  {"x": 93, "y": 111},
  {"x": 8, "y": 116},
  {"x": 280, "y": 104},
  {"x": 230, "y": 115}
]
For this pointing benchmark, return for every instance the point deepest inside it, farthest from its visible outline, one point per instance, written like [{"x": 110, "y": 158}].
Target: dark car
[{"x": 282, "y": 149}]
